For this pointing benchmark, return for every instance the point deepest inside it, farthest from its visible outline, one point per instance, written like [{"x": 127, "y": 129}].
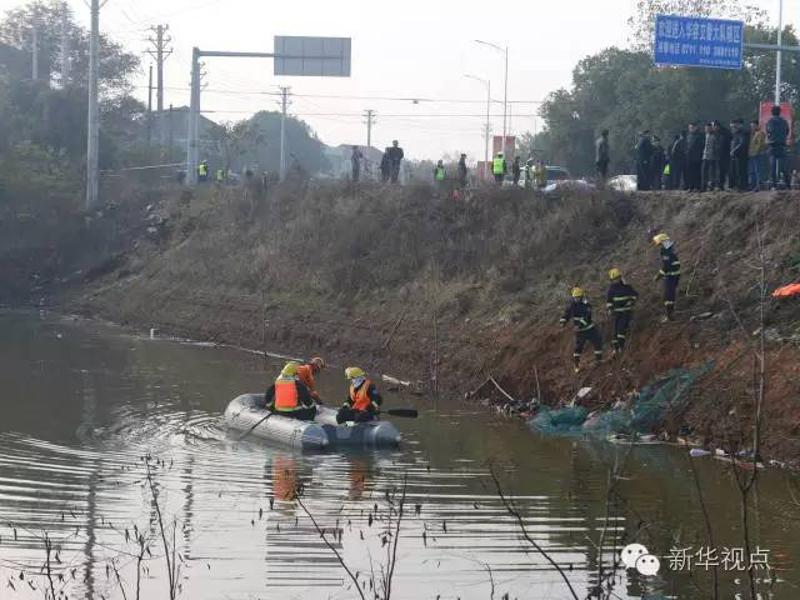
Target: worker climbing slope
[
  {"x": 289, "y": 397},
  {"x": 670, "y": 272},
  {"x": 579, "y": 310},
  {"x": 363, "y": 400},
  {"x": 620, "y": 300}
]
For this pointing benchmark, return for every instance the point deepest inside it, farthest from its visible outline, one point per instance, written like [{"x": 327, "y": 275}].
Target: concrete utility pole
[
  {"x": 65, "y": 45},
  {"x": 780, "y": 55},
  {"x": 193, "y": 120},
  {"x": 284, "y": 106},
  {"x": 160, "y": 53},
  {"x": 487, "y": 128},
  {"x": 35, "y": 52},
  {"x": 505, "y": 93},
  {"x": 93, "y": 120},
  {"x": 369, "y": 114},
  {"x": 149, "y": 106}
]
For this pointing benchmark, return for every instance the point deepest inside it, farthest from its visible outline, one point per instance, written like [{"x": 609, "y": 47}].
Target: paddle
[
  {"x": 249, "y": 431},
  {"x": 409, "y": 413}
]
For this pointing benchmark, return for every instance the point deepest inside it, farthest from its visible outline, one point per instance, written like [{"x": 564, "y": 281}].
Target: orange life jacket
[
  {"x": 305, "y": 373},
  {"x": 787, "y": 291},
  {"x": 286, "y": 397},
  {"x": 360, "y": 397}
]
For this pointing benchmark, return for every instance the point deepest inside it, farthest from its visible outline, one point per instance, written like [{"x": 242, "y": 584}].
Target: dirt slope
[{"x": 447, "y": 291}]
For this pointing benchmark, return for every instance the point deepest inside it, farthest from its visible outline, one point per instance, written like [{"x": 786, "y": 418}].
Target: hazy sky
[{"x": 400, "y": 50}]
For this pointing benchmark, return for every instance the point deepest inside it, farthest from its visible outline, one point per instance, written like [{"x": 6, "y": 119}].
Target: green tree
[
  {"x": 255, "y": 143},
  {"x": 53, "y": 18}
]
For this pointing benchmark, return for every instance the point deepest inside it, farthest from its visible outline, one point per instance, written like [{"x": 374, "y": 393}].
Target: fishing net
[{"x": 644, "y": 413}]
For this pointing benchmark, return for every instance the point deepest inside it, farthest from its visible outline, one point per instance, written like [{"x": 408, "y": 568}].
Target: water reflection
[{"x": 87, "y": 412}]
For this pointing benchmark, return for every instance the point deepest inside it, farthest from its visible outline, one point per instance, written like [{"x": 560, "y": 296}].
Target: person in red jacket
[{"x": 306, "y": 373}]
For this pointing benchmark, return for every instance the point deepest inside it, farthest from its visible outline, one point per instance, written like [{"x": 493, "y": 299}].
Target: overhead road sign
[
  {"x": 698, "y": 42},
  {"x": 312, "y": 56}
]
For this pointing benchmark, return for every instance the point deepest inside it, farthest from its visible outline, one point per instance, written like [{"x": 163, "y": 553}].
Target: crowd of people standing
[{"x": 714, "y": 158}]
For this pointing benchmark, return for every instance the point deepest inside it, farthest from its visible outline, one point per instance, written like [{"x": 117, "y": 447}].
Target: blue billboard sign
[{"x": 698, "y": 42}]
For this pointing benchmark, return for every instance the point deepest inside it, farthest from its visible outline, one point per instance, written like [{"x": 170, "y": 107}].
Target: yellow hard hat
[
  {"x": 353, "y": 372},
  {"x": 660, "y": 238},
  {"x": 614, "y": 274},
  {"x": 578, "y": 292},
  {"x": 290, "y": 369}
]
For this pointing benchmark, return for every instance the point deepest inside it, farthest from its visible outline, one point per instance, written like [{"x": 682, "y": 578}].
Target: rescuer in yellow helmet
[
  {"x": 289, "y": 397},
  {"x": 363, "y": 400},
  {"x": 670, "y": 272},
  {"x": 620, "y": 300},
  {"x": 579, "y": 311}
]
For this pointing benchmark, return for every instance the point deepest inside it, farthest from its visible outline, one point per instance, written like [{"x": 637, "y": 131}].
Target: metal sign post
[{"x": 293, "y": 56}]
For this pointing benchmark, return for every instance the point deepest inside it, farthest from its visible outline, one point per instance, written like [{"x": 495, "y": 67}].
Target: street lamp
[
  {"x": 505, "y": 92},
  {"x": 488, "y": 84}
]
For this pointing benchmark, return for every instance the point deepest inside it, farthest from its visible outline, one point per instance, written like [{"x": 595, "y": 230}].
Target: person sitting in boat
[
  {"x": 306, "y": 373},
  {"x": 363, "y": 402},
  {"x": 289, "y": 397}
]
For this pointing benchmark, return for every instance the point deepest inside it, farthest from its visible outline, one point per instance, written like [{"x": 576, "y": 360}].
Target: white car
[{"x": 623, "y": 183}]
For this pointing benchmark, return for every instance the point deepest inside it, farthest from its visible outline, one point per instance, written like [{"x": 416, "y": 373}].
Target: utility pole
[
  {"x": 505, "y": 104},
  {"x": 780, "y": 55},
  {"x": 93, "y": 120},
  {"x": 35, "y": 51},
  {"x": 64, "y": 45},
  {"x": 170, "y": 141},
  {"x": 160, "y": 53},
  {"x": 149, "y": 106},
  {"x": 284, "y": 106},
  {"x": 369, "y": 114},
  {"x": 193, "y": 120}
]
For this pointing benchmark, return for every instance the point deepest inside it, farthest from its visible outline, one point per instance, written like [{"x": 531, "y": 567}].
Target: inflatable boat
[{"x": 322, "y": 433}]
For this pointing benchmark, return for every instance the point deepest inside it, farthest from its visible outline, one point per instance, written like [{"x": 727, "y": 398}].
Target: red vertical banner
[
  {"x": 787, "y": 112},
  {"x": 510, "y": 148}
]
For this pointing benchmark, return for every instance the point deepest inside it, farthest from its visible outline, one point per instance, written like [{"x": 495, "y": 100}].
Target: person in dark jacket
[
  {"x": 658, "y": 161},
  {"x": 386, "y": 166},
  {"x": 677, "y": 160},
  {"x": 644, "y": 165},
  {"x": 723, "y": 155},
  {"x": 740, "y": 146},
  {"x": 620, "y": 300},
  {"x": 710, "y": 159},
  {"x": 579, "y": 311},
  {"x": 516, "y": 170},
  {"x": 355, "y": 160},
  {"x": 777, "y": 134},
  {"x": 695, "y": 140},
  {"x": 396, "y": 155},
  {"x": 602, "y": 156},
  {"x": 462, "y": 171}
]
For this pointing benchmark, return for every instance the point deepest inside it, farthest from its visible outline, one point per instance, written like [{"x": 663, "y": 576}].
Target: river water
[{"x": 89, "y": 410}]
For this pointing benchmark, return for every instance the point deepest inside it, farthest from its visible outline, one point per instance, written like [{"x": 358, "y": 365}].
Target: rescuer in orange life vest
[
  {"x": 363, "y": 401},
  {"x": 289, "y": 397},
  {"x": 306, "y": 373}
]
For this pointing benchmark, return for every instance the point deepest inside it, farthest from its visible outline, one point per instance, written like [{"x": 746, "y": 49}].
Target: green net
[{"x": 643, "y": 414}]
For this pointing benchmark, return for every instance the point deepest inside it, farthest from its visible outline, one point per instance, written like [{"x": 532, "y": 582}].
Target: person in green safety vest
[
  {"x": 202, "y": 171},
  {"x": 499, "y": 168},
  {"x": 439, "y": 173},
  {"x": 219, "y": 176}
]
